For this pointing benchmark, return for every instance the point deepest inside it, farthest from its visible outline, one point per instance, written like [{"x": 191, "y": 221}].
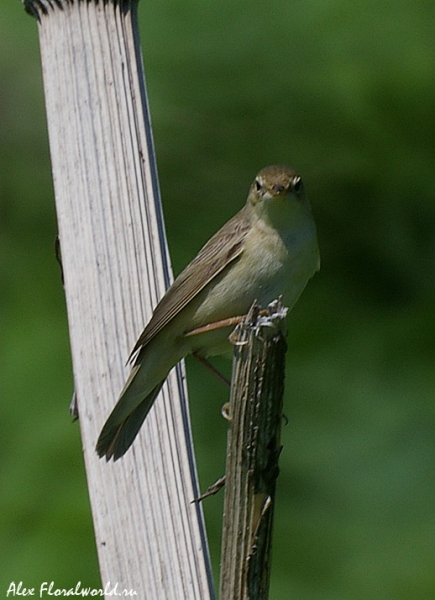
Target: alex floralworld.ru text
[{"x": 49, "y": 589}]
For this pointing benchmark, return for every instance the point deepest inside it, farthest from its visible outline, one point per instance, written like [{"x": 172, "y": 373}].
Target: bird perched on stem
[{"x": 268, "y": 249}]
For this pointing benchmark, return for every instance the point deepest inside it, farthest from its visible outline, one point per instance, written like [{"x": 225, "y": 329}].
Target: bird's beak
[{"x": 279, "y": 190}]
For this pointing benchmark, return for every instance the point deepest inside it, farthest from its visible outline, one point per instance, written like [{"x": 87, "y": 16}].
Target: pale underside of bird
[{"x": 268, "y": 249}]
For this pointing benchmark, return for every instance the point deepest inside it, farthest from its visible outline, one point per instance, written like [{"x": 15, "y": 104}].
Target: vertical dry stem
[
  {"x": 253, "y": 450},
  {"x": 150, "y": 537}
]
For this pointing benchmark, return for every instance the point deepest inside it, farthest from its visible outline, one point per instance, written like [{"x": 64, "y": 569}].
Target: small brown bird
[{"x": 268, "y": 249}]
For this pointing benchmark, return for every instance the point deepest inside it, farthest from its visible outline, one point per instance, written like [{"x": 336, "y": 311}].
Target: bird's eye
[
  {"x": 297, "y": 185},
  {"x": 257, "y": 185}
]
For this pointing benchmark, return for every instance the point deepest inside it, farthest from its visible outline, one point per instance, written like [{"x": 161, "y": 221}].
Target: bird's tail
[{"x": 116, "y": 439}]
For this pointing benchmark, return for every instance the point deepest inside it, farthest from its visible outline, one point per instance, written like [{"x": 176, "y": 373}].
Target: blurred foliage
[{"x": 345, "y": 92}]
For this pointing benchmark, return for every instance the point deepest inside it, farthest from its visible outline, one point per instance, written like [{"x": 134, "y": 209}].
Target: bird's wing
[{"x": 223, "y": 248}]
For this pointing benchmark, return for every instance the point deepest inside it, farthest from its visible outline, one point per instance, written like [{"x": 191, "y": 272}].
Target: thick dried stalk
[
  {"x": 150, "y": 537},
  {"x": 253, "y": 449}
]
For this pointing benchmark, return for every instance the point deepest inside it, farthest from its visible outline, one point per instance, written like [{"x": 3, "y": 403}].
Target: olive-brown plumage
[{"x": 269, "y": 248}]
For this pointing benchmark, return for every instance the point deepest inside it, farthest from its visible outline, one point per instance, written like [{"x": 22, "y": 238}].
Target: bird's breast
[{"x": 271, "y": 264}]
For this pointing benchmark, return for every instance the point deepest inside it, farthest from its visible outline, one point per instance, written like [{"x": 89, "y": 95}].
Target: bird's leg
[
  {"x": 211, "y": 368},
  {"x": 230, "y": 322}
]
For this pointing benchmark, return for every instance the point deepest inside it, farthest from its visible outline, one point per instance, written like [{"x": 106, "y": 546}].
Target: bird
[{"x": 268, "y": 249}]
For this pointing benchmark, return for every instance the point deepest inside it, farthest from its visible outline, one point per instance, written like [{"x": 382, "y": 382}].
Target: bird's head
[{"x": 278, "y": 193}]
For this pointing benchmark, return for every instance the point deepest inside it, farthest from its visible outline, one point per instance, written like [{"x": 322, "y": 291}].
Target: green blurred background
[{"x": 344, "y": 92}]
